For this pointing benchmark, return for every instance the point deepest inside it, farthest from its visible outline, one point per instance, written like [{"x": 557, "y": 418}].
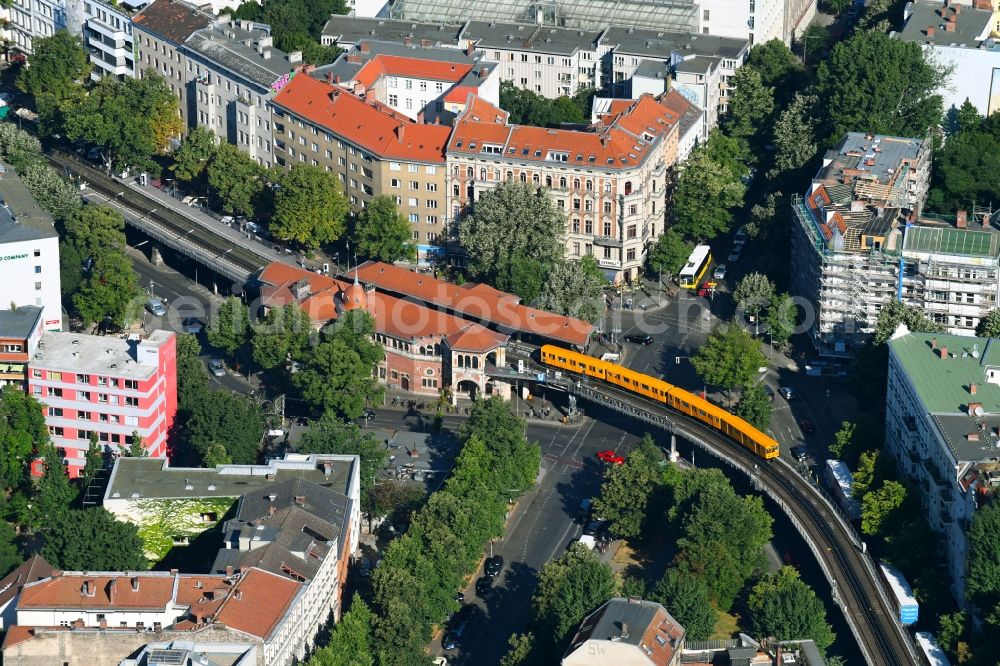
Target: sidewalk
[{"x": 404, "y": 401}]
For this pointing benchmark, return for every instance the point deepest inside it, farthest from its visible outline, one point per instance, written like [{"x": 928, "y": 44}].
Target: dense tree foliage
[
  {"x": 898, "y": 97},
  {"x": 22, "y": 432},
  {"x": 529, "y": 108},
  {"x": 57, "y": 68},
  {"x": 627, "y": 489},
  {"x": 131, "y": 120},
  {"x": 568, "y": 589},
  {"x": 983, "y": 578},
  {"x": 881, "y": 505},
  {"x": 751, "y": 103},
  {"x": 688, "y": 600},
  {"x": 753, "y": 293},
  {"x": 230, "y": 328},
  {"x": 382, "y": 233},
  {"x": 705, "y": 193},
  {"x": 92, "y": 540},
  {"x": 296, "y": 24},
  {"x": 781, "y": 320},
  {"x": 966, "y": 170},
  {"x": 575, "y": 288},
  {"x": 783, "y": 606},
  {"x": 309, "y": 207},
  {"x": 330, "y": 434},
  {"x": 989, "y": 326},
  {"x": 352, "y": 638},
  {"x": 283, "y": 335},
  {"x": 194, "y": 154},
  {"x": 670, "y": 253},
  {"x": 512, "y": 224},
  {"x": 236, "y": 179},
  {"x": 729, "y": 358},
  {"x": 754, "y": 406}
]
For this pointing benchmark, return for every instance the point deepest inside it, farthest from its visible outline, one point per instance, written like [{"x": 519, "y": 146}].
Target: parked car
[
  {"x": 156, "y": 307},
  {"x": 786, "y": 392},
  {"x": 807, "y": 426},
  {"x": 493, "y": 566},
  {"x": 217, "y": 367},
  {"x": 741, "y": 235},
  {"x": 720, "y": 272},
  {"x": 484, "y": 585},
  {"x": 192, "y": 325},
  {"x": 596, "y": 527},
  {"x": 734, "y": 256},
  {"x": 365, "y": 568},
  {"x": 368, "y": 413},
  {"x": 457, "y": 626},
  {"x": 609, "y": 456},
  {"x": 800, "y": 453},
  {"x": 642, "y": 340}
]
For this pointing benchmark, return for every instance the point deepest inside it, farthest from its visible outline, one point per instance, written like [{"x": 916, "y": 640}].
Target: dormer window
[
  {"x": 554, "y": 156},
  {"x": 492, "y": 149}
]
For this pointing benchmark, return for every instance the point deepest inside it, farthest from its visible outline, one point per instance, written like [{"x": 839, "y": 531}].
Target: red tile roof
[
  {"x": 395, "y": 317},
  {"x": 172, "y": 20},
  {"x": 35, "y": 569},
  {"x": 414, "y": 68},
  {"x": 623, "y": 139},
  {"x": 103, "y": 591},
  {"x": 476, "y": 301},
  {"x": 259, "y": 601},
  {"x": 18, "y": 634},
  {"x": 372, "y": 126}
]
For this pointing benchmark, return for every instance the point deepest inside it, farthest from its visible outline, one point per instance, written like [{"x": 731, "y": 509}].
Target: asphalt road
[{"x": 185, "y": 298}]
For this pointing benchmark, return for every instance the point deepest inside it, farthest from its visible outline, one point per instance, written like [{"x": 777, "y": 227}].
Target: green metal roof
[
  {"x": 953, "y": 241},
  {"x": 943, "y": 383}
]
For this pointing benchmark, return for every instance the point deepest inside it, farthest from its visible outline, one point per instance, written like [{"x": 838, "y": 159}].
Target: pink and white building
[{"x": 108, "y": 386}]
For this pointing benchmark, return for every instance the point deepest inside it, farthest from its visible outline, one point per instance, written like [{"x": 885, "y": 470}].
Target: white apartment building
[
  {"x": 611, "y": 181},
  {"x": 943, "y": 431},
  {"x": 424, "y": 83},
  {"x": 368, "y": 8},
  {"x": 957, "y": 35},
  {"x": 35, "y": 18},
  {"x": 106, "y": 31},
  {"x": 546, "y": 60},
  {"x": 758, "y": 21},
  {"x": 29, "y": 252}
]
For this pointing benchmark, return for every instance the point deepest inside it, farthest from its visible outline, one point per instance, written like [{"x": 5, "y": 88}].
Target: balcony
[{"x": 607, "y": 241}]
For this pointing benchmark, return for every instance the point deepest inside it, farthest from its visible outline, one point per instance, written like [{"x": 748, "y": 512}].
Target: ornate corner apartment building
[{"x": 610, "y": 180}]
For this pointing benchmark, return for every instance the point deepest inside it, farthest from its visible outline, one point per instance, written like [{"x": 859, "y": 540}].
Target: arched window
[
  {"x": 422, "y": 350},
  {"x": 510, "y": 175},
  {"x": 590, "y": 185},
  {"x": 576, "y": 183},
  {"x": 458, "y": 360},
  {"x": 496, "y": 175},
  {"x": 628, "y": 187},
  {"x": 482, "y": 174},
  {"x": 437, "y": 349},
  {"x": 470, "y": 172},
  {"x": 524, "y": 177},
  {"x": 456, "y": 170},
  {"x": 534, "y": 179},
  {"x": 548, "y": 181},
  {"x": 562, "y": 182},
  {"x": 475, "y": 361}
]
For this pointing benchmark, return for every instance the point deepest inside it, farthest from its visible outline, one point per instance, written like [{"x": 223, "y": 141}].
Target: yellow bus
[{"x": 697, "y": 265}]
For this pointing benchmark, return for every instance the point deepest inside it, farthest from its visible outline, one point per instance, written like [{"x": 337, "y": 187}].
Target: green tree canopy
[
  {"x": 92, "y": 540},
  {"x": 17, "y": 147},
  {"x": 704, "y": 194},
  {"x": 330, "y": 434},
  {"x": 751, "y": 102},
  {"x": 22, "y": 432},
  {"x": 382, "y": 233},
  {"x": 131, "y": 120},
  {"x": 778, "y": 68},
  {"x": 989, "y": 326},
  {"x": 57, "y": 63},
  {"x": 572, "y": 289},
  {"x": 194, "y": 154},
  {"x": 670, "y": 253},
  {"x": 309, "y": 207},
  {"x": 753, "y": 293},
  {"x": 729, "y": 358},
  {"x": 283, "y": 334},
  {"x": 842, "y": 440},
  {"x": 228, "y": 419},
  {"x": 529, "y": 108},
  {"x": 110, "y": 289},
  {"x": 754, "y": 406},
  {"x": 896, "y": 97},
  {"x": 511, "y": 223},
  {"x": 983, "y": 577},
  {"x": 625, "y": 494},
  {"x": 794, "y": 134},
  {"x": 230, "y": 329},
  {"x": 781, "y": 605},
  {"x": 53, "y": 193},
  {"x": 568, "y": 589},
  {"x": 879, "y": 507},
  {"x": 781, "y": 318},
  {"x": 334, "y": 377},
  {"x": 687, "y": 599},
  {"x": 351, "y": 643},
  {"x": 966, "y": 171},
  {"x": 236, "y": 179},
  {"x": 10, "y": 557}
]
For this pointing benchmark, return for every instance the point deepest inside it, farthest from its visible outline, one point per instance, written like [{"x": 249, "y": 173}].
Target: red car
[{"x": 610, "y": 456}]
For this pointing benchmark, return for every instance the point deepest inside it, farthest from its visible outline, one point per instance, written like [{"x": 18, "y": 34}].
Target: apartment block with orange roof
[
  {"x": 426, "y": 84},
  {"x": 372, "y": 149},
  {"x": 610, "y": 180}
]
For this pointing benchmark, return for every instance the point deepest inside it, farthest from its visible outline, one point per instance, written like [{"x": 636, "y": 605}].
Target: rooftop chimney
[
  {"x": 327, "y": 469},
  {"x": 933, "y": 343},
  {"x": 973, "y": 406},
  {"x": 295, "y": 57},
  {"x": 973, "y": 388},
  {"x": 135, "y": 583},
  {"x": 300, "y": 500},
  {"x": 949, "y": 26},
  {"x": 400, "y": 129},
  {"x": 961, "y": 219},
  {"x": 930, "y": 31},
  {"x": 957, "y": 9},
  {"x": 484, "y": 72},
  {"x": 425, "y": 43},
  {"x": 943, "y": 352},
  {"x": 364, "y": 47}
]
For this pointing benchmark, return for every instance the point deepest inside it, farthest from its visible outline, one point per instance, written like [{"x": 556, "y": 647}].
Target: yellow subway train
[{"x": 665, "y": 393}]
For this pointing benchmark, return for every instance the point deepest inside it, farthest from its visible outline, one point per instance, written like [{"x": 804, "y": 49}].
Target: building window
[
  {"x": 408, "y": 84},
  {"x": 414, "y": 218},
  {"x": 393, "y": 100},
  {"x": 607, "y": 207},
  {"x": 12, "y": 348},
  {"x": 395, "y": 182},
  {"x": 704, "y": 15},
  {"x": 630, "y": 232},
  {"x": 630, "y": 254}
]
